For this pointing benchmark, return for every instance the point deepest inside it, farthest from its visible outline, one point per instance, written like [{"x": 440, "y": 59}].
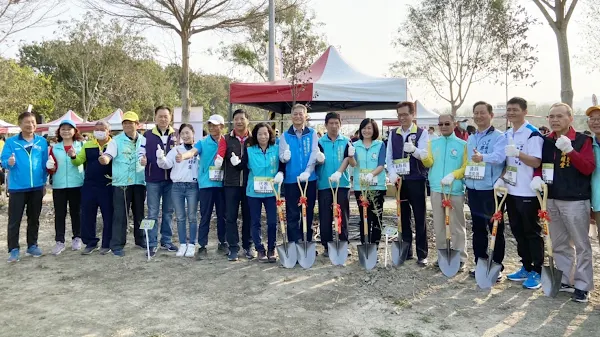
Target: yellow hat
[
  {"x": 591, "y": 109},
  {"x": 130, "y": 116}
]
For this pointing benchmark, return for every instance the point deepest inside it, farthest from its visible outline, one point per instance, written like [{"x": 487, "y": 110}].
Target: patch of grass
[
  {"x": 445, "y": 326},
  {"x": 402, "y": 303},
  {"x": 413, "y": 334},
  {"x": 383, "y": 332},
  {"x": 426, "y": 319}
]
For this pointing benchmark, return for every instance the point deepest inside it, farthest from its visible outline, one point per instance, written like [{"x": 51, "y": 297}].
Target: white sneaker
[
  {"x": 76, "y": 244},
  {"x": 191, "y": 250},
  {"x": 182, "y": 250}
]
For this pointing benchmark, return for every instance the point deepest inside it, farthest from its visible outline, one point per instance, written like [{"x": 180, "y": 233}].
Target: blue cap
[{"x": 67, "y": 122}]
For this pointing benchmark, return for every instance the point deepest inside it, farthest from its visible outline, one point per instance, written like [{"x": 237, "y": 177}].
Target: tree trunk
[
  {"x": 566, "y": 88},
  {"x": 184, "y": 84},
  {"x": 454, "y": 110}
]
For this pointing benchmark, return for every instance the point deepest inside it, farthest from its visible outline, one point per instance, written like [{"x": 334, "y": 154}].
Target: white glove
[
  {"x": 563, "y": 143},
  {"x": 409, "y": 147},
  {"x": 418, "y": 154},
  {"x": 320, "y": 157},
  {"x": 536, "y": 184},
  {"x": 160, "y": 154},
  {"x": 235, "y": 160},
  {"x": 511, "y": 150},
  {"x": 335, "y": 177},
  {"x": 287, "y": 155},
  {"x": 393, "y": 177},
  {"x": 499, "y": 184},
  {"x": 278, "y": 179},
  {"x": 50, "y": 163},
  {"x": 304, "y": 176},
  {"x": 351, "y": 150},
  {"x": 369, "y": 178},
  {"x": 218, "y": 161},
  {"x": 448, "y": 179}
]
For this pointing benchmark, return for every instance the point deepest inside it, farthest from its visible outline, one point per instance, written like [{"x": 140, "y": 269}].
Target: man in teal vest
[
  {"x": 593, "y": 114},
  {"x": 447, "y": 160},
  {"x": 128, "y": 181}
]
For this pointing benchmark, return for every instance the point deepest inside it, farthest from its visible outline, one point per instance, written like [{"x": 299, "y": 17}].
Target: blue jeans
[
  {"x": 154, "y": 192},
  {"x": 211, "y": 197},
  {"x": 182, "y": 192},
  {"x": 255, "y": 205}
]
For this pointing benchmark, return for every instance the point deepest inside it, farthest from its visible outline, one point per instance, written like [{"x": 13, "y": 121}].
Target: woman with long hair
[{"x": 67, "y": 180}]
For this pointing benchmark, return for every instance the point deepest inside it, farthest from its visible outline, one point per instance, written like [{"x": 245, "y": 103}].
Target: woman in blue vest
[
  {"x": 262, "y": 161},
  {"x": 67, "y": 180},
  {"x": 370, "y": 161}
]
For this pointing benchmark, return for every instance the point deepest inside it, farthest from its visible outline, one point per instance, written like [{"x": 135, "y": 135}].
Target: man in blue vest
[
  {"x": 25, "y": 156},
  {"x": 299, "y": 150},
  {"x": 128, "y": 181},
  {"x": 485, "y": 150},
  {"x": 407, "y": 145},
  {"x": 155, "y": 144}
]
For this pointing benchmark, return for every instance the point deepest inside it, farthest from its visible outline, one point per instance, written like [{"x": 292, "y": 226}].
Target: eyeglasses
[
  {"x": 403, "y": 115},
  {"x": 594, "y": 120},
  {"x": 444, "y": 124}
]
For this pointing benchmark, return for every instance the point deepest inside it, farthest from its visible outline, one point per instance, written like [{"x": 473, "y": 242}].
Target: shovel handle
[
  {"x": 277, "y": 192},
  {"x": 447, "y": 222},
  {"x": 543, "y": 199},
  {"x": 499, "y": 204},
  {"x": 398, "y": 208},
  {"x": 365, "y": 225},
  {"x": 334, "y": 192}
]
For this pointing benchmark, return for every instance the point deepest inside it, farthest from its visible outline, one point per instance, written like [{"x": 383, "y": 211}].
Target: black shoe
[
  {"x": 580, "y": 296},
  {"x": 271, "y": 256},
  {"x": 233, "y": 256},
  {"x": 326, "y": 252},
  {"x": 472, "y": 272},
  {"x": 223, "y": 248},
  {"x": 250, "y": 253},
  {"x": 152, "y": 252},
  {"x": 202, "y": 253},
  {"x": 262, "y": 256},
  {"x": 566, "y": 288},
  {"x": 88, "y": 250},
  {"x": 169, "y": 247}
]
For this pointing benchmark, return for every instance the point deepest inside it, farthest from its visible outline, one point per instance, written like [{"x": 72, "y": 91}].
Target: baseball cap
[
  {"x": 67, "y": 122},
  {"x": 591, "y": 109},
  {"x": 130, "y": 116},
  {"x": 216, "y": 120},
  {"x": 463, "y": 120}
]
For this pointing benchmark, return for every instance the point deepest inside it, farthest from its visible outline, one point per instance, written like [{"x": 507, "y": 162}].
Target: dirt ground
[{"x": 74, "y": 295}]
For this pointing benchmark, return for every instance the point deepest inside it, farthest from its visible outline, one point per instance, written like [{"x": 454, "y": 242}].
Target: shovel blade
[
  {"x": 307, "y": 252},
  {"x": 367, "y": 255},
  {"x": 287, "y": 256},
  {"x": 449, "y": 264},
  {"x": 551, "y": 279},
  {"x": 338, "y": 252},
  {"x": 486, "y": 279},
  {"x": 399, "y": 252}
]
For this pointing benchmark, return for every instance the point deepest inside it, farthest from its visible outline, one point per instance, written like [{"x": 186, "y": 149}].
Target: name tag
[
  {"x": 548, "y": 173},
  {"x": 511, "y": 175},
  {"x": 215, "y": 174},
  {"x": 363, "y": 176},
  {"x": 263, "y": 185},
  {"x": 402, "y": 166},
  {"x": 475, "y": 170}
]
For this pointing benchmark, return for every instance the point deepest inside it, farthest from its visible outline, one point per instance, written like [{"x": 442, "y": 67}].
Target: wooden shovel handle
[
  {"x": 543, "y": 199},
  {"x": 499, "y": 204},
  {"x": 365, "y": 225},
  {"x": 398, "y": 208},
  {"x": 277, "y": 192}
]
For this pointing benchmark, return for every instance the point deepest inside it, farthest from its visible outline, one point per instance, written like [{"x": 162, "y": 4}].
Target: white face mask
[
  {"x": 463, "y": 125},
  {"x": 100, "y": 135}
]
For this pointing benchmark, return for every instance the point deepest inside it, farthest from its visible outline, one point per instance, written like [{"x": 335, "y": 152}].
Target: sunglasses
[{"x": 444, "y": 124}]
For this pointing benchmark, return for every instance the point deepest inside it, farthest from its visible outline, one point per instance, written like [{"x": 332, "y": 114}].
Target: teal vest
[
  {"x": 126, "y": 167},
  {"x": 66, "y": 175},
  {"x": 448, "y": 154},
  {"x": 334, "y": 156},
  {"x": 367, "y": 159},
  {"x": 301, "y": 150},
  {"x": 207, "y": 149},
  {"x": 263, "y": 165},
  {"x": 596, "y": 177}
]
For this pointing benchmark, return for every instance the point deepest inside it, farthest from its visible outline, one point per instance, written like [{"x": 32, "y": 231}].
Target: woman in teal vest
[
  {"x": 368, "y": 175},
  {"x": 67, "y": 180}
]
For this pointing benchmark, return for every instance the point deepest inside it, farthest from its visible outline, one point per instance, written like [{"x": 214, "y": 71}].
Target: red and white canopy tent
[
  {"x": 330, "y": 84},
  {"x": 52, "y": 126},
  {"x": 114, "y": 120},
  {"x": 423, "y": 116},
  {"x": 6, "y": 127}
]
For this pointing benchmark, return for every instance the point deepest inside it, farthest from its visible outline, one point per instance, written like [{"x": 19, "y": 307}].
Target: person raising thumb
[
  {"x": 235, "y": 160},
  {"x": 12, "y": 160}
]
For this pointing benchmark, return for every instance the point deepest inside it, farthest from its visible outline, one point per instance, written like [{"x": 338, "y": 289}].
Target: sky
[{"x": 363, "y": 32}]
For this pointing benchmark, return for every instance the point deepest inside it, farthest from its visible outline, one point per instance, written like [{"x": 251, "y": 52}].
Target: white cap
[{"x": 216, "y": 120}]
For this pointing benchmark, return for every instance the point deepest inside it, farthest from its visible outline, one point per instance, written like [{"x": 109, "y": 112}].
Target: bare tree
[
  {"x": 18, "y": 15},
  {"x": 186, "y": 18},
  {"x": 558, "y": 14},
  {"x": 591, "y": 31}
]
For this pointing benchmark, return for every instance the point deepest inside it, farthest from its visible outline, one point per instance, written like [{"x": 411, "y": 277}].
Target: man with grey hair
[{"x": 96, "y": 190}]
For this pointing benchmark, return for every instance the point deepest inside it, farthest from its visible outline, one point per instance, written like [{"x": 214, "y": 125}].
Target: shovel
[
  {"x": 487, "y": 271},
  {"x": 399, "y": 247},
  {"x": 448, "y": 259},
  {"x": 338, "y": 251},
  {"x": 367, "y": 252},
  {"x": 307, "y": 251},
  {"x": 287, "y": 250},
  {"x": 551, "y": 277}
]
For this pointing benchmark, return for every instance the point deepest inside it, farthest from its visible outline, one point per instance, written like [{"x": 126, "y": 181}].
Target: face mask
[
  {"x": 463, "y": 125},
  {"x": 100, "y": 135}
]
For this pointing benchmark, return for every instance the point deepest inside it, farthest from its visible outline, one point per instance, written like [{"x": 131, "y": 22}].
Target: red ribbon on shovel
[
  {"x": 280, "y": 202},
  {"x": 338, "y": 216},
  {"x": 303, "y": 201},
  {"x": 542, "y": 214},
  {"x": 364, "y": 202},
  {"x": 496, "y": 217},
  {"x": 446, "y": 203}
]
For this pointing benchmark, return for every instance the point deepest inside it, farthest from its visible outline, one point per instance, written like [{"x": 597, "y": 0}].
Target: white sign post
[{"x": 146, "y": 225}]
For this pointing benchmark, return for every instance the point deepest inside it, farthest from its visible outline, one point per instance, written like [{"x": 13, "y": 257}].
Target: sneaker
[
  {"x": 76, "y": 244},
  {"x": 500, "y": 277},
  {"x": 88, "y": 250},
  {"x": 233, "y": 256},
  {"x": 519, "y": 276},
  {"x": 566, "y": 288},
  {"x": 423, "y": 262},
  {"x": 34, "y": 251},
  {"x": 472, "y": 272},
  {"x": 58, "y": 248},
  {"x": 119, "y": 252},
  {"x": 104, "y": 251},
  {"x": 151, "y": 252},
  {"x": 271, "y": 256},
  {"x": 250, "y": 254},
  {"x": 533, "y": 281},
  {"x": 191, "y": 250},
  {"x": 181, "y": 251},
  {"x": 262, "y": 257},
  {"x": 169, "y": 247},
  {"x": 223, "y": 248},
  {"x": 201, "y": 253},
  {"x": 14, "y": 255},
  {"x": 580, "y": 296}
]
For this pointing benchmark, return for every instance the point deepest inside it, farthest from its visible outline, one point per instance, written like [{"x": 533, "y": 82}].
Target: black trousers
[
  {"x": 482, "y": 207},
  {"x": 412, "y": 195},
  {"x": 326, "y": 214},
  {"x": 17, "y": 202},
  {"x": 234, "y": 196},
  {"x": 62, "y": 197},
  {"x": 523, "y": 219},
  {"x": 374, "y": 213},
  {"x": 125, "y": 197}
]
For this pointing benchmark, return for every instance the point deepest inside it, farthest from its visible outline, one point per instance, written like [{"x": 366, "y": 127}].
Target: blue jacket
[
  {"x": 126, "y": 168},
  {"x": 263, "y": 165},
  {"x": 368, "y": 160},
  {"x": 491, "y": 144},
  {"x": 29, "y": 172},
  {"x": 596, "y": 177},
  {"x": 446, "y": 155},
  {"x": 207, "y": 150},
  {"x": 67, "y": 175},
  {"x": 301, "y": 150},
  {"x": 335, "y": 152}
]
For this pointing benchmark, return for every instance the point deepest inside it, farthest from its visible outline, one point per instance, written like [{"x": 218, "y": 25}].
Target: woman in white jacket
[{"x": 185, "y": 188}]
